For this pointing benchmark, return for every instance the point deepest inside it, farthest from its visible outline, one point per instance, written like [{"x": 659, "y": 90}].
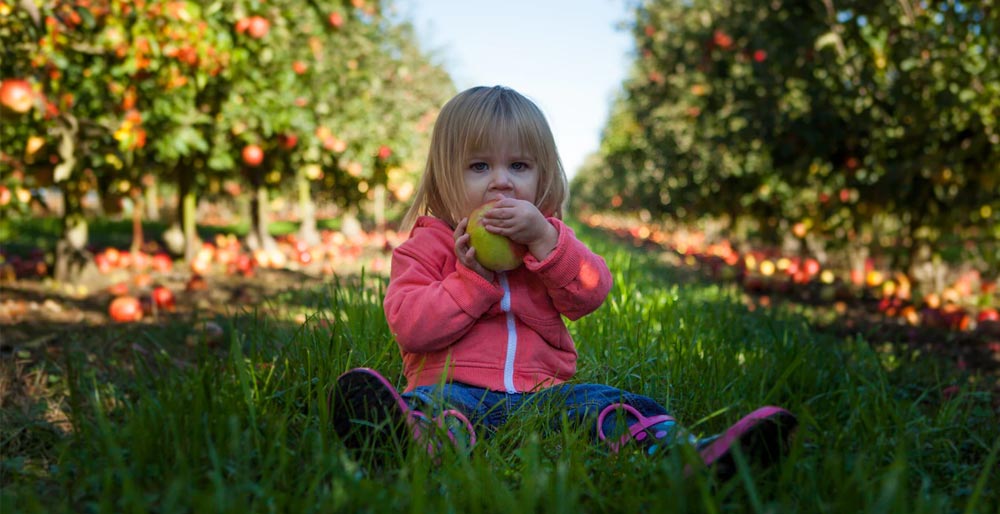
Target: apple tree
[
  {"x": 872, "y": 125},
  {"x": 125, "y": 95}
]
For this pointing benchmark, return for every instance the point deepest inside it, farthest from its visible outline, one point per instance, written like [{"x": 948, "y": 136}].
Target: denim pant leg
[
  {"x": 485, "y": 409},
  {"x": 582, "y": 403}
]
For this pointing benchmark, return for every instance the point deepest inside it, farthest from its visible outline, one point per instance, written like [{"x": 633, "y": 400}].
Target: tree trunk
[
  {"x": 307, "y": 210},
  {"x": 137, "y": 236},
  {"x": 151, "y": 201},
  {"x": 187, "y": 202},
  {"x": 71, "y": 253},
  {"x": 190, "y": 224},
  {"x": 380, "y": 207},
  {"x": 259, "y": 238}
]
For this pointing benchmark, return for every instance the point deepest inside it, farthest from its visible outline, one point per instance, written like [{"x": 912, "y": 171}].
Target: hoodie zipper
[{"x": 508, "y": 365}]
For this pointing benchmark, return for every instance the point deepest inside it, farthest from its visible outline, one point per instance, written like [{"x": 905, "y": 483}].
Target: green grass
[{"x": 244, "y": 427}]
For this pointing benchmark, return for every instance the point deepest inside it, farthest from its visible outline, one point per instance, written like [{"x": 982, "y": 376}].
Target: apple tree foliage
[
  {"x": 872, "y": 124},
  {"x": 129, "y": 94}
]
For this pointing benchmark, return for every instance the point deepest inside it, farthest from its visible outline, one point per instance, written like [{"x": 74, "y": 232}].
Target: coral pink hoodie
[{"x": 505, "y": 336}]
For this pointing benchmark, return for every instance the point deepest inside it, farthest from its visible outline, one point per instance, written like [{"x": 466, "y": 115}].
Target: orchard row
[
  {"x": 969, "y": 302},
  {"x": 326, "y": 101},
  {"x": 859, "y": 128}
]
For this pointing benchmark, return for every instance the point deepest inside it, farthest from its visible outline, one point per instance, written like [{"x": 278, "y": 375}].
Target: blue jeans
[{"x": 489, "y": 410}]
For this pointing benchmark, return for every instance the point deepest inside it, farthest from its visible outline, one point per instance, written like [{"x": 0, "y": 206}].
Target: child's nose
[{"x": 501, "y": 178}]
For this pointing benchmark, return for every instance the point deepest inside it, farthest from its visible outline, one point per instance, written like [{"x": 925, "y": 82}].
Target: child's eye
[
  {"x": 478, "y": 166},
  {"x": 518, "y": 166}
]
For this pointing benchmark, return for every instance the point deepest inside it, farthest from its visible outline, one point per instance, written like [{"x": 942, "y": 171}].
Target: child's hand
[
  {"x": 466, "y": 253},
  {"x": 523, "y": 223}
]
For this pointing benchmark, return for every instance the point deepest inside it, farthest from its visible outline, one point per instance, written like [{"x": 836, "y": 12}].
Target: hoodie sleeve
[
  {"x": 577, "y": 279},
  {"x": 431, "y": 301}
]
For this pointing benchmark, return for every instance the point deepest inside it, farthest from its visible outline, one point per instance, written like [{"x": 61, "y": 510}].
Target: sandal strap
[
  {"x": 636, "y": 430},
  {"x": 467, "y": 425}
]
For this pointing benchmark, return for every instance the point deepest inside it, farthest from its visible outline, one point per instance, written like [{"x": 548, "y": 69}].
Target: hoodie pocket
[{"x": 551, "y": 329}]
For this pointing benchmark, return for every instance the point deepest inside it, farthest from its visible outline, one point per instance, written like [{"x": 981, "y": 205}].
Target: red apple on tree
[
  {"x": 336, "y": 20},
  {"x": 258, "y": 27},
  {"x": 722, "y": 40},
  {"x": 16, "y": 94},
  {"x": 495, "y": 252},
  {"x": 253, "y": 155}
]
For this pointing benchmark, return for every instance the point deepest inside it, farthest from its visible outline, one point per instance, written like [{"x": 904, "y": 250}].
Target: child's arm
[
  {"x": 577, "y": 279},
  {"x": 427, "y": 307}
]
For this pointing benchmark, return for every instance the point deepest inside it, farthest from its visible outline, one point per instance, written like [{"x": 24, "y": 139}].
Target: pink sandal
[
  {"x": 367, "y": 410},
  {"x": 637, "y": 431}
]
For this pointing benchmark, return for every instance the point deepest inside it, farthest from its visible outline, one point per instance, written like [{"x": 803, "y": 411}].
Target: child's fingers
[{"x": 461, "y": 227}]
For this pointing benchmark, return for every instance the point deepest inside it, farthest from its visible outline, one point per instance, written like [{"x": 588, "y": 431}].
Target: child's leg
[
  {"x": 481, "y": 407},
  {"x": 617, "y": 417}
]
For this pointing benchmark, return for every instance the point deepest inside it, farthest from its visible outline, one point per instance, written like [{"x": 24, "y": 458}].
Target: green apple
[{"x": 493, "y": 251}]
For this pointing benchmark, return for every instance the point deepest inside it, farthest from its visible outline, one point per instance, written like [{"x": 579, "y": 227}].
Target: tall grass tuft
[{"x": 247, "y": 429}]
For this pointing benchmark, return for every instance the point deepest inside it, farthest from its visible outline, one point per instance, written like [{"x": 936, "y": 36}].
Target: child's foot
[
  {"x": 653, "y": 432},
  {"x": 367, "y": 412},
  {"x": 761, "y": 436}
]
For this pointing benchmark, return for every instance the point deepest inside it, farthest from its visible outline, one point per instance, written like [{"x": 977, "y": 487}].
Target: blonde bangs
[{"x": 478, "y": 119}]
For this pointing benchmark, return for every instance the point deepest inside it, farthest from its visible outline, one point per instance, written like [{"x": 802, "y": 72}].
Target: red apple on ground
[
  {"x": 118, "y": 289},
  {"x": 493, "y": 251},
  {"x": 988, "y": 321},
  {"x": 16, "y": 94},
  {"x": 163, "y": 298},
  {"x": 245, "y": 264},
  {"x": 162, "y": 263},
  {"x": 196, "y": 283},
  {"x": 125, "y": 309},
  {"x": 142, "y": 280}
]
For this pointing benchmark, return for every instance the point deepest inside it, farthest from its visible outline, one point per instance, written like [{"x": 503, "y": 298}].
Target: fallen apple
[
  {"x": 495, "y": 252},
  {"x": 125, "y": 309},
  {"x": 163, "y": 298}
]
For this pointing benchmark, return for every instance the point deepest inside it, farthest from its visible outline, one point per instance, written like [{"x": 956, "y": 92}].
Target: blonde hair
[{"x": 478, "y": 118}]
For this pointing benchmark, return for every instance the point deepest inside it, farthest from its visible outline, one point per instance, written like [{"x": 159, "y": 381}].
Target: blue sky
[{"x": 568, "y": 56}]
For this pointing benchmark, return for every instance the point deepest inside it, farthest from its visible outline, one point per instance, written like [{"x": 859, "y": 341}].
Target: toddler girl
[{"x": 479, "y": 346}]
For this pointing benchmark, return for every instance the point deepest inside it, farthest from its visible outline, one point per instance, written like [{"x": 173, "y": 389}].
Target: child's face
[{"x": 495, "y": 173}]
